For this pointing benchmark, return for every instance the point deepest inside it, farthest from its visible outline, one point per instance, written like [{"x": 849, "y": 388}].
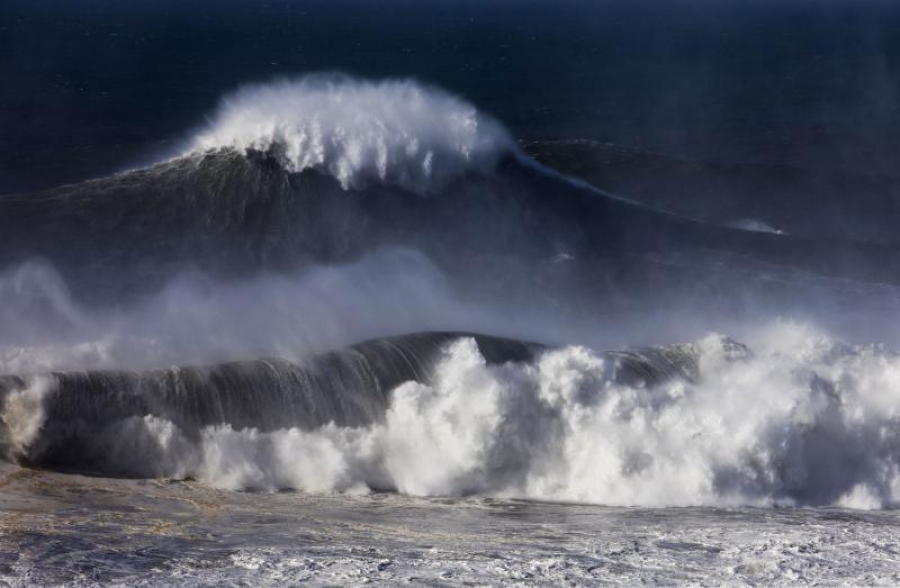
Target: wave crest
[{"x": 398, "y": 132}]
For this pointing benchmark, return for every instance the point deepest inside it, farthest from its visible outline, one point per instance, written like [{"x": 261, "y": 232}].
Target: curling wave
[
  {"x": 396, "y": 132},
  {"x": 800, "y": 420}
]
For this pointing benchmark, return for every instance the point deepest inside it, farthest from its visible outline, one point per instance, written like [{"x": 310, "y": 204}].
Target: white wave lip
[
  {"x": 22, "y": 416},
  {"x": 802, "y": 421},
  {"x": 396, "y": 132}
]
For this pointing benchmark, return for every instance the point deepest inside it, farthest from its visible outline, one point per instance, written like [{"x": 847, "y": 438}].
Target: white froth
[
  {"x": 804, "y": 420},
  {"x": 396, "y": 132}
]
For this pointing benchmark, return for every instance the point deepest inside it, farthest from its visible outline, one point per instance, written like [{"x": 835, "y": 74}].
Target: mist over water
[{"x": 196, "y": 319}]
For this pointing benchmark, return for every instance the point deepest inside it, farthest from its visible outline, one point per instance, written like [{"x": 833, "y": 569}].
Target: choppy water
[{"x": 79, "y": 531}]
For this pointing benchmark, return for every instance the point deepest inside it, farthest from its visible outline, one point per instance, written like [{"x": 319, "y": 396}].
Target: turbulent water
[{"x": 363, "y": 287}]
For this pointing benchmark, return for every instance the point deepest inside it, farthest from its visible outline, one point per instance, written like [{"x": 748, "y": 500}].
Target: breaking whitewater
[{"x": 352, "y": 331}]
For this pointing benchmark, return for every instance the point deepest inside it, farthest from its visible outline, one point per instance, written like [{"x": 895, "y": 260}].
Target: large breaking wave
[{"x": 797, "y": 420}]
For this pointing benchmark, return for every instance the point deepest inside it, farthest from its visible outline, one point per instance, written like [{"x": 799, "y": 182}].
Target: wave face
[
  {"x": 396, "y": 132},
  {"x": 800, "y": 420}
]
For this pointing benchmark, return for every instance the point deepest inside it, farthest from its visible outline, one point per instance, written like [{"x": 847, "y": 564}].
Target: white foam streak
[
  {"x": 396, "y": 132},
  {"x": 755, "y": 226}
]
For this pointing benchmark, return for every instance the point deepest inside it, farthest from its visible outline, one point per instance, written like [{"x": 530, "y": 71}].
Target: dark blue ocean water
[{"x": 92, "y": 86}]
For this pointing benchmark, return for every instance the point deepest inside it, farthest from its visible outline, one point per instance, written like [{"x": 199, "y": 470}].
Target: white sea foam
[
  {"x": 804, "y": 420},
  {"x": 397, "y": 132}
]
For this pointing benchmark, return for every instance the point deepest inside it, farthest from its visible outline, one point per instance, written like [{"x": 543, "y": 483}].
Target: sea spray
[{"x": 397, "y": 132}]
